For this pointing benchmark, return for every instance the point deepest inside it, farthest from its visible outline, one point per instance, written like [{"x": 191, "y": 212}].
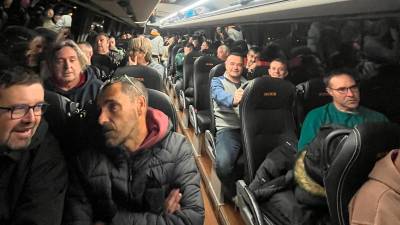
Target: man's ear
[
  {"x": 329, "y": 91},
  {"x": 286, "y": 73},
  {"x": 141, "y": 105}
]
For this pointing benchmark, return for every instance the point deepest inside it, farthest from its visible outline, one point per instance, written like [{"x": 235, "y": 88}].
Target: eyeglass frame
[
  {"x": 42, "y": 106},
  {"x": 345, "y": 90}
]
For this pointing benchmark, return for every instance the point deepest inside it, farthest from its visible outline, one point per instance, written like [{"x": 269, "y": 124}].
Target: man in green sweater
[{"x": 343, "y": 110}]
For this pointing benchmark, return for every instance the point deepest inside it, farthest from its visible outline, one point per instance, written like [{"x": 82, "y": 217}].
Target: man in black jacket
[
  {"x": 33, "y": 176},
  {"x": 70, "y": 78},
  {"x": 145, "y": 174}
]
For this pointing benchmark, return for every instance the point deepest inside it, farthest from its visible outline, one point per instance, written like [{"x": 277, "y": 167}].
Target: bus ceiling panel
[
  {"x": 143, "y": 9},
  {"x": 288, "y": 10},
  {"x": 107, "y": 12},
  {"x": 128, "y": 11}
]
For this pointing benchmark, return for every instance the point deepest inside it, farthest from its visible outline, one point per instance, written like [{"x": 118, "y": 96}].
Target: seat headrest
[
  {"x": 205, "y": 63},
  {"x": 270, "y": 93},
  {"x": 364, "y": 146},
  {"x": 148, "y": 76}
]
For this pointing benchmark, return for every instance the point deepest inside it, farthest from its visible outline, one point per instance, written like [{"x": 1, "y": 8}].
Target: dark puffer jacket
[
  {"x": 122, "y": 188},
  {"x": 33, "y": 182}
]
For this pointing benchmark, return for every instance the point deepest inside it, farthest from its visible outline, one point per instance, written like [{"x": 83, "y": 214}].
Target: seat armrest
[
  {"x": 182, "y": 99},
  {"x": 248, "y": 205},
  {"x": 193, "y": 118},
  {"x": 210, "y": 144}
]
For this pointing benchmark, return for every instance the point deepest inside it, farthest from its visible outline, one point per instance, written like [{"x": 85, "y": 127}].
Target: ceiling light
[{"x": 198, "y": 3}]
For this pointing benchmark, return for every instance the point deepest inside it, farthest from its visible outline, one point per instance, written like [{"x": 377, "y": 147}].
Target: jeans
[{"x": 228, "y": 149}]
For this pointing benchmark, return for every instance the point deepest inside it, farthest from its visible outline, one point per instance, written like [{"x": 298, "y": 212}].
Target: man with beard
[
  {"x": 145, "y": 174},
  {"x": 343, "y": 110},
  {"x": 33, "y": 176}
]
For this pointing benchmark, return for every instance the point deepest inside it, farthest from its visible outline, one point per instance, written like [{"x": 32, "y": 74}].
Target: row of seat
[{"x": 362, "y": 146}]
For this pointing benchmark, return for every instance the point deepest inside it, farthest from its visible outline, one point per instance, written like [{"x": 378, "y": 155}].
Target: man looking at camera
[{"x": 33, "y": 175}]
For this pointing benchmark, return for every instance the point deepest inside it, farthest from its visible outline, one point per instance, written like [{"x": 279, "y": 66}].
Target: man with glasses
[
  {"x": 344, "y": 109},
  {"x": 33, "y": 176},
  {"x": 145, "y": 173}
]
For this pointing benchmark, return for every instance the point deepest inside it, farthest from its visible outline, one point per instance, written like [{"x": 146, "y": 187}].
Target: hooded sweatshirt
[
  {"x": 157, "y": 125},
  {"x": 377, "y": 201},
  {"x": 85, "y": 91}
]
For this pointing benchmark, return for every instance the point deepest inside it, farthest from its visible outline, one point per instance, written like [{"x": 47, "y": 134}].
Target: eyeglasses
[
  {"x": 19, "y": 111},
  {"x": 123, "y": 78},
  {"x": 345, "y": 90}
]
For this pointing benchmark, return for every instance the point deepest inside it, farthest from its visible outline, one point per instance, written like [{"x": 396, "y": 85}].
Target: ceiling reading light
[
  {"x": 193, "y": 5},
  {"x": 198, "y": 3}
]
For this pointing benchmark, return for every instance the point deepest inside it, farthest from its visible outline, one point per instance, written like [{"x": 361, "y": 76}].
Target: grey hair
[{"x": 83, "y": 61}]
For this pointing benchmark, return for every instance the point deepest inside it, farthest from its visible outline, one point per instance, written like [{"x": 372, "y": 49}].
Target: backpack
[{"x": 311, "y": 164}]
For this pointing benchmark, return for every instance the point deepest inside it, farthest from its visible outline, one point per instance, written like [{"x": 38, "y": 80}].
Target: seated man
[
  {"x": 223, "y": 52},
  {"x": 377, "y": 200},
  {"x": 140, "y": 54},
  {"x": 70, "y": 78},
  {"x": 103, "y": 48},
  {"x": 87, "y": 49},
  {"x": 278, "y": 68},
  {"x": 179, "y": 58},
  {"x": 227, "y": 94},
  {"x": 344, "y": 109},
  {"x": 145, "y": 174},
  {"x": 33, "y": 176},
  {"x": 253, "y": 66}
]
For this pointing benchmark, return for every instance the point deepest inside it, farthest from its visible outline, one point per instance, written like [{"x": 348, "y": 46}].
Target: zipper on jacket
[{"x": 130, "y": 179}]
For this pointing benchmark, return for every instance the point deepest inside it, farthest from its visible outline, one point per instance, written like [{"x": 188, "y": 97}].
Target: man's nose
[
  {"x": 29, "y": 116},
  {"x": 102, "y": 118},
  {"x": 349, "y": 93}
]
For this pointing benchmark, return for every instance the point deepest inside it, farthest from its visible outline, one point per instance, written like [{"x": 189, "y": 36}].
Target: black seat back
[
  {"x": 217, "y": 71},
  {"x": 15, "y": 42},
  {"x": 350, "y": 168},
  {"x": 149, "y": 76},
  {"x": 202, "y": 68},
  {"x": 104, "y": 63},
  {"x": 161, "y": 101},
  {"x": 174, "y": 51},
  {"x": 375, "y": 91},
  {"x": 310, "y": 95},
  {"x": 267, "y": 118},
  {"x": 188, "y": 69},
  {"x": 170, "y": 55}
]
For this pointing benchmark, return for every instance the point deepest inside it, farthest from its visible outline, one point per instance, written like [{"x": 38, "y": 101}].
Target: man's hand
[
  {"x": 132, "y": 62},
  {"x": 238, "y": 97},
  {"x": 252, "y": 66},
  {"x": 172, "y": 202}
]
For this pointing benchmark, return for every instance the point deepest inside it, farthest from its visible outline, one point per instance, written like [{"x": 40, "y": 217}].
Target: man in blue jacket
[{"x": 226, "y": 95}]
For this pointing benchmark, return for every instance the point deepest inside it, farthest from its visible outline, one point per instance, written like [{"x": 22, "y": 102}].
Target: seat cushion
[{"x": 203, "y": 120}]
